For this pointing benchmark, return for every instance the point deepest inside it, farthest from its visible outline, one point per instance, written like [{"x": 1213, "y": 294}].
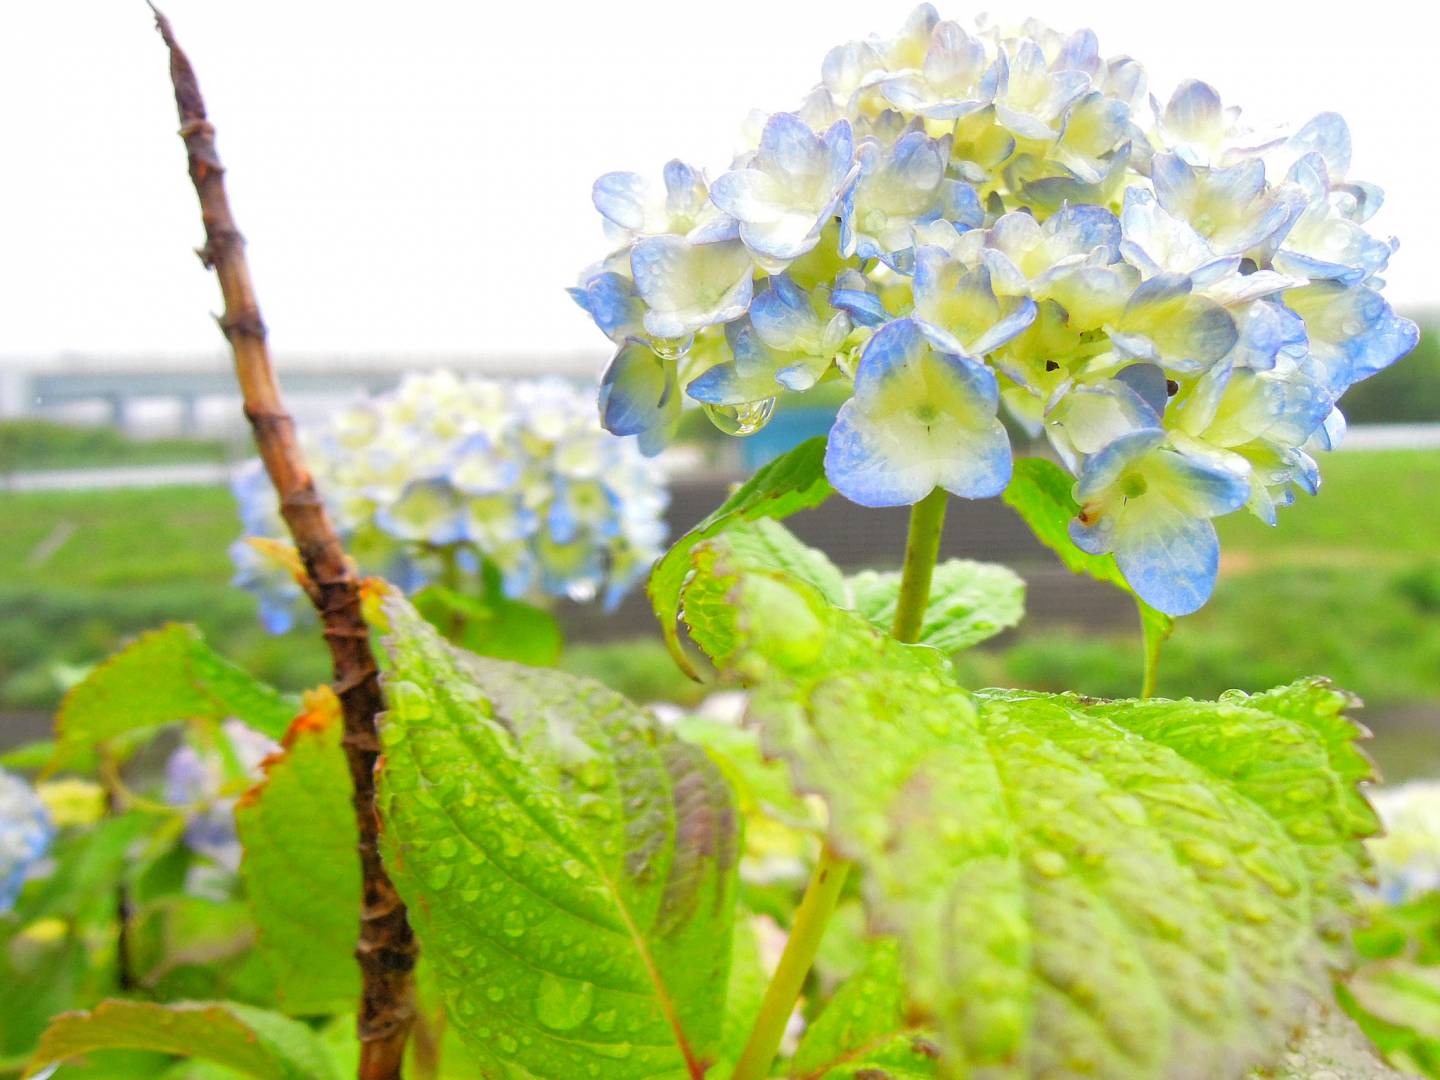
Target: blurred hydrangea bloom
[
  {"x": 1407, "y": 856},
  {"x": 25, "y": 834},
  {"x": 444, "y": 475},
  {"x": 207, "y": 783},
  {"x": 956, "y": 222}
]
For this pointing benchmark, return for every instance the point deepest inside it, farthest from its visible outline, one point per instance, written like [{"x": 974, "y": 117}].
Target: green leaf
[
  {"x": 570, "y": 864},
  {"x": 796, "y": 481},
  {"x": 498, "y": 626},
  {"x": 300, "y": 866},
  {"x": 1134, "y": 889},
  {"x": 969, "y": 602},
  {"x": 250, "y": 1041},
  {"x": 1040, "y": 492},
  {"x": 864, "y": 1027},
  {"x": 164, "y": 676}
]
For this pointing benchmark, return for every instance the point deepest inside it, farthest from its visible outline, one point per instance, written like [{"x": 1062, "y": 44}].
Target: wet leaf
[
  {"x": 863, "y": 1027},
  {"x": 969, "y": 602},
  {"x": 569, "y": 864},
  {"x": 250, "y": 1041},
  {"x": 165, "y": 676},
  {"x": 1135, "y": 889},
  {"x": 793, "y": 482},
  {"x": 300, "y": 868}
]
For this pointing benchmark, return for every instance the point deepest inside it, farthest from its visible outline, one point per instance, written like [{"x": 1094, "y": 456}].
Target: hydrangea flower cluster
[
  {"x": 25, "y": 835},
  {"x": 1407, "y": 857},
  {"x": 206, "y": 783},
  {"x": 444, "y": 473},
  {"x": 956, "y": 222}
]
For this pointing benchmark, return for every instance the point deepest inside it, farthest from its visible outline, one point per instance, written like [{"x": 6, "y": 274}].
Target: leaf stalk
[{"x": 827, "y": 880}]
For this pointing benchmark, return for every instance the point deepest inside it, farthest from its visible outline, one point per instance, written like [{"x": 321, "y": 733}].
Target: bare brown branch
[{"x": 386, "y": 950}]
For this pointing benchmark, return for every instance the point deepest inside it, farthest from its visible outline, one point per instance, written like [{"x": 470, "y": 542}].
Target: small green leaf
[
  {"x": 1040, "y": 492},
  {"x": 251, "y": 1041},
  {"x": 570, "y": 865},
  {"x": 165, "y": 676},
  {"x": 300, "y": 867},
  {"x": 793, "y": 482},
  {"x": 863, "y": 1032},
  {"x": 498, "y": 626},
  {"x": 1133, "y": 889},
  {"x": 969, "y": 602},
  {"x": 1394, "y": 995}
]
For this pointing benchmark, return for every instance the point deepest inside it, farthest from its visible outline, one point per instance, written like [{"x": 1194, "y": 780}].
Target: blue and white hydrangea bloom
[
  {"x": 206, "y": 782},
  {"x": 1407, "y": 856},
  {"x": 958, "y": 224},
  {"x": 446, "y": 475},
  {"x": 25, "y": 835}
]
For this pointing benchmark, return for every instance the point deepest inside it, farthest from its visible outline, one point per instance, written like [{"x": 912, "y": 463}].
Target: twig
[{"x": 386, "y": 950}]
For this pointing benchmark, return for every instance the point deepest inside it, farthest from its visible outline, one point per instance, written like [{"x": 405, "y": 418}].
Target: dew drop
[
  {"x": 563, "y": 1003},
  {"x": 437, "y": 877},
  {"x": 671, "y": 348},
  {"x": 448, "y": 847},
  {"x": 573, "y": 868},
  {"x": 494, "y": 993},
  {"x": 508, "y": 1044},
  {"x": 605, "y": 1021},
  {"x": 743, "y": 419},
  {"x": 514, "y": 923}
]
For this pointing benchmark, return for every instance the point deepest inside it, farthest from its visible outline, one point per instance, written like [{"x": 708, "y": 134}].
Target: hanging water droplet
[
  {"x": 563, "y": 1003},
  {"x": 671, "y": 348},
  {"x": 745, "y": 419}
]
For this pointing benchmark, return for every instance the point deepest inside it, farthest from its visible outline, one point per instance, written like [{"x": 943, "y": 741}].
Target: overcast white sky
[{"x": 415, "y": 175}]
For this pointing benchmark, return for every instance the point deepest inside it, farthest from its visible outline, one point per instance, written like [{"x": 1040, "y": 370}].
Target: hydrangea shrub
[
  {"x": 963, "y": 233},
  {"x": 445, "y": 475}
]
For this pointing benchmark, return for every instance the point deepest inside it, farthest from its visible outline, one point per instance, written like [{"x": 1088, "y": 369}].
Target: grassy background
[{"x": 38, "y": 445}]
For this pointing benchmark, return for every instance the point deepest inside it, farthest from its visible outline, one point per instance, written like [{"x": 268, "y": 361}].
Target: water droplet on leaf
[{"x": 563, "y": 1003}]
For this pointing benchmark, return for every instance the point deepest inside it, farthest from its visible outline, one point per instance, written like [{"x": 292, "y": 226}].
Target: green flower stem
[
  {"x": 811, "y": 918},
  {"x": 927, "y": 520}
]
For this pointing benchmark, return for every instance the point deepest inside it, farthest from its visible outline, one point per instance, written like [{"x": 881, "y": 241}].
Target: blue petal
[
  {"x": 620, "y": 198},
  {"x": 1103, "y": 469},
  {"x": 1169, "y": 558},
  {"x": 637, "y": 392},
  {"x": 864, "y": 308},
  {"x": 610, "y": 300},
  {"x": 782, "y": 313},
  {"x": 1147, "y": 380}
]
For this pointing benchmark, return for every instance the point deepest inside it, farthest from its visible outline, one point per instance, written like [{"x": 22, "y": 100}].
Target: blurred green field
[
  {"x": 37, "y": 445},
  {"x": 1347, "y": 586}
]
